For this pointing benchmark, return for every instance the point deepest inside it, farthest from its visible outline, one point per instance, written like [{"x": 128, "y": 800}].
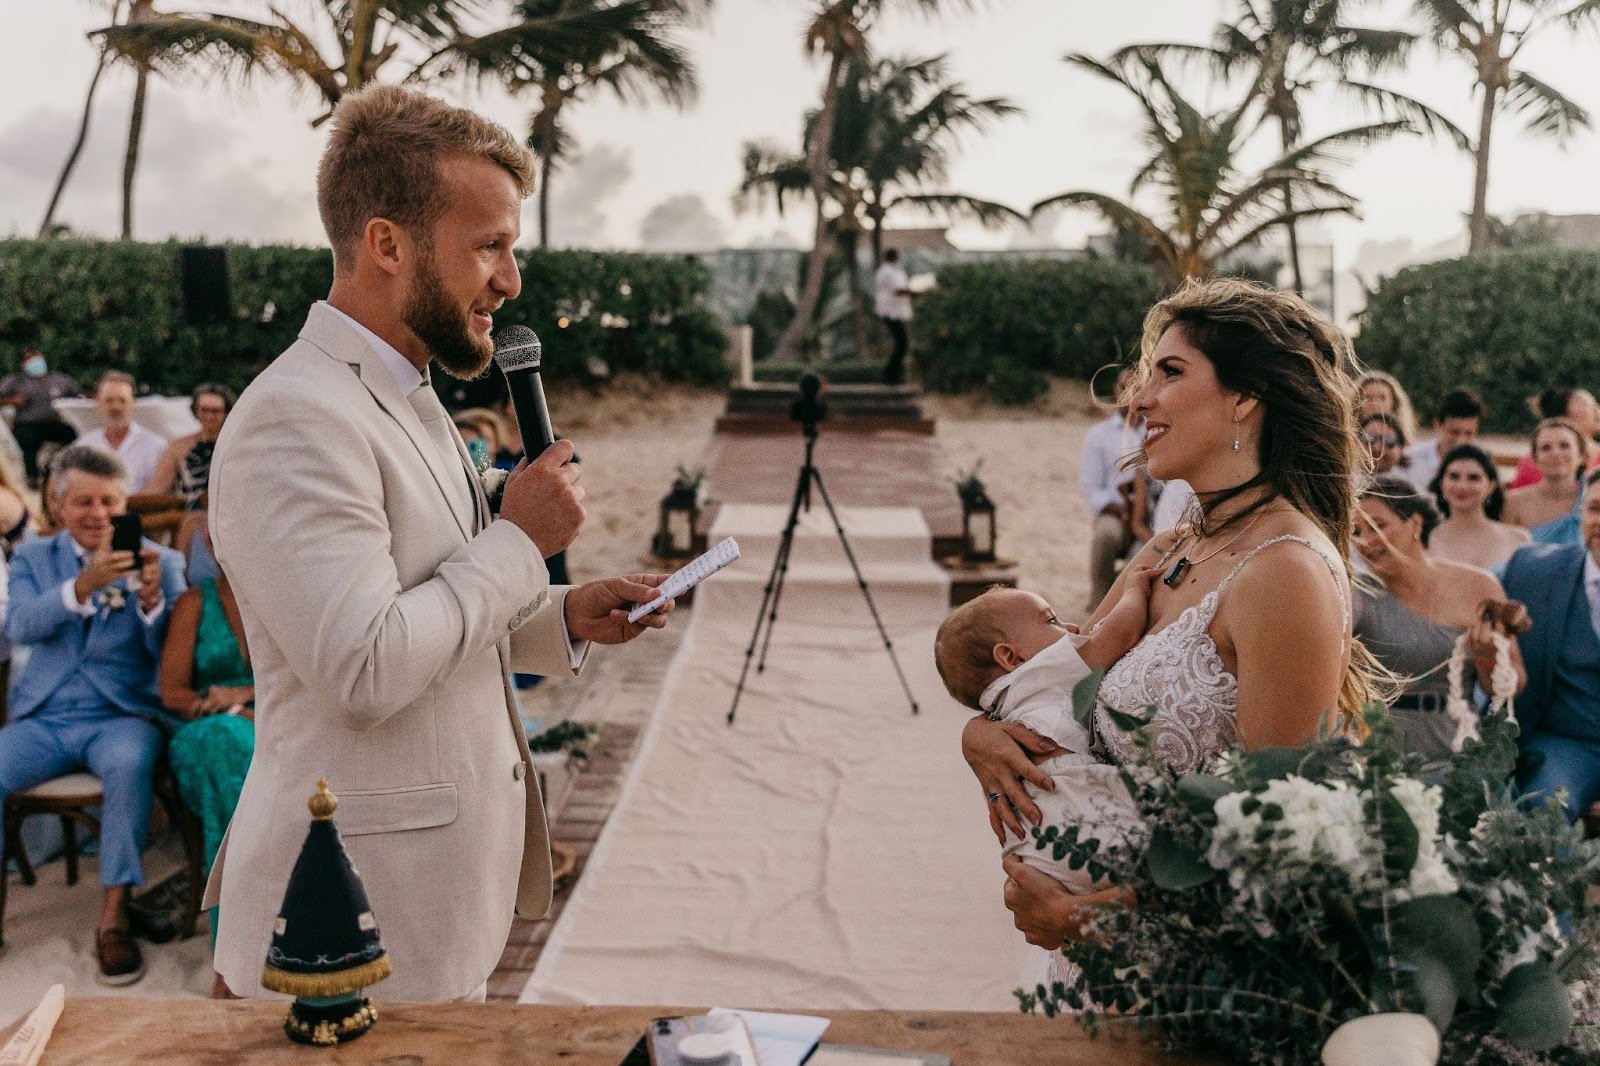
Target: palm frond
[
  {"x": 1114, "y": 211},
  {"x": 1545, "y": 109},
  {"x": 1360, "y": 47},
  {"x": 1389, "y": 103},
  {"x": 1332, "y": 147},
  {"x": 956, "y": 205},
  {"x": 1278, "y": 221}
]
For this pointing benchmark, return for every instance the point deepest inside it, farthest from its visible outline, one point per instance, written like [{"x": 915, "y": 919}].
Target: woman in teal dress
[
  {"x": 206, "y": 679},
  {"x": 1549, "y": 510}
]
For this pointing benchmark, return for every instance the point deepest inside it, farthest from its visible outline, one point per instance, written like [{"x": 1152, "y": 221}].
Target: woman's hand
[
  {"x": 1002, "y": 755},
  {"x": 1046, "y": 914}
]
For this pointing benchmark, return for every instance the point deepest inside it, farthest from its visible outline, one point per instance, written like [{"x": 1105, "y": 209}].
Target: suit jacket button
[{"x": 519, "y": 771}]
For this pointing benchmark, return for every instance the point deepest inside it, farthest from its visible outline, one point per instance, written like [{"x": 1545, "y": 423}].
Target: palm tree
[
  {"x": 371, "y": 37},
  {"x": 1490, "y": 36},
  {"x": 48, "y": 227},
  {"x": 1213, "y": 211},
  {"x": 1291, "y": 47},
  {"x": 838, "y": 30},
  {"x": 139, "y": 12},
  {"x": 636, "y": 58},
  {"x": 895, "y": 126}
]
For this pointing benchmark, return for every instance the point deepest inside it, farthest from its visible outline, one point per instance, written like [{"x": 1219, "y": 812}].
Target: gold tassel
[{"x": 324, "y": 985}]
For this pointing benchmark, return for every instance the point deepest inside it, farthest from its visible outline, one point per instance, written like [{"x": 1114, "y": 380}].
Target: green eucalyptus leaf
[
  {"x": 1272, "y": 764},
  {"x": 1535, "y": 1012},
  {"x": 1401, "y": 841},
  {"x": 1084, "y": 696},
  {"x": 1434, "y": 987},
  {"x": 1200, "y": 792},
  {"x": 1128, "y": 723},
  {"x": 1174, "y": 865},
  {"x": 1444, "y": 928}
]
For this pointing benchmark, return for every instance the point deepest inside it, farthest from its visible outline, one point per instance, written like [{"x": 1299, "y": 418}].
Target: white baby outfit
[{"x": 1088, "y": 794}]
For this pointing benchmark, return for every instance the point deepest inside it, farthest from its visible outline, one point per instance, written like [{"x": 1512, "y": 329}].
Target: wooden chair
[{"x": 70, "y": 798}]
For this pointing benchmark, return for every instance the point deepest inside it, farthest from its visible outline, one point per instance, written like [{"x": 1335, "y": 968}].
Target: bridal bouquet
[{"x": 1310, "y": 904}]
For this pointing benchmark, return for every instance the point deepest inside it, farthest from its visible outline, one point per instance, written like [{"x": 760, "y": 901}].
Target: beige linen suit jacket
[{"x": 382, "y": 615}]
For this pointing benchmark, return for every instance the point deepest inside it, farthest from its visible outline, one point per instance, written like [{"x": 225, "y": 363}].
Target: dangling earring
[{"x": 1235, "y": 435}]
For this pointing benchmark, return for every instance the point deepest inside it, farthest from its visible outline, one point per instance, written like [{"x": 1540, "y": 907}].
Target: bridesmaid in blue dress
[{"x": 1549, "y": 510}]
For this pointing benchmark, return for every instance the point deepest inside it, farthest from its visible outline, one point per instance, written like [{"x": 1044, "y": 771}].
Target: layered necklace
[{"x": 1180, "y": 569}]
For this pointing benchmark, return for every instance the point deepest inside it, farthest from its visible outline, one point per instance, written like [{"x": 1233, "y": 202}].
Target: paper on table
[
  {"x": 781, "y": 1039},
  {"x": 27, "y": 1044}
]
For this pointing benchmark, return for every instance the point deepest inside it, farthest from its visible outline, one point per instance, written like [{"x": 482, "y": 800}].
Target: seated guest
[
  {"x": 1456, "y": 421},
  {"x": 1577, "y": 406},
  {"x": 1549, "y": 510},
  {"x": 185, "y": 469},
  {"x": 1385, "y": 441},
  {"x": 1411, "y": 608},
  {"x": 34, "y": 393},
  {"x": 86, "y": 700},
  {"x": 1559, "y": 712},
  {"x": 1101, "y": 479},
  {"x": 139, "y": 449},
  {"x": 206, "y": 680},
  {"x": 1467, "y": 492},
  {"x": 482, "y": 424},
  {"x": 1382, "y": 394}
]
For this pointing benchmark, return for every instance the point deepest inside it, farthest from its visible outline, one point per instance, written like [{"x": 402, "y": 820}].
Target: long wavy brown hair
[{"x": 1274, "y": 347}]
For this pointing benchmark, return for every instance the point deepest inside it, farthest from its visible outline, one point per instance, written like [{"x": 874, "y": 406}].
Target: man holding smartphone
[{"x": 93, "y": 611}]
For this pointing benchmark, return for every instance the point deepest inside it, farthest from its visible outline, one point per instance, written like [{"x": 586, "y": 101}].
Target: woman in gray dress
[{"x": 1413, "y": 608}]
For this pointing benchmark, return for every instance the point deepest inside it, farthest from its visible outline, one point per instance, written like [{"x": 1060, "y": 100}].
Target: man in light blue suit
[
  {"x": 86, "y": 700},
  {"x": 1559, "y": 711}
]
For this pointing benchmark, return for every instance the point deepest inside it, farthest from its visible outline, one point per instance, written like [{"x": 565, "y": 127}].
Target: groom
[{"x": 382, "y": 607}]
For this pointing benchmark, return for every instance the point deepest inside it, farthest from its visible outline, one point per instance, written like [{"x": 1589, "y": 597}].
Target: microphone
[{"x": 517, "y": 352}]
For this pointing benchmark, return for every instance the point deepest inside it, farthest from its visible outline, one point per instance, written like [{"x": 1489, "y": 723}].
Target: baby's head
[{"x": 990, "y": 636}]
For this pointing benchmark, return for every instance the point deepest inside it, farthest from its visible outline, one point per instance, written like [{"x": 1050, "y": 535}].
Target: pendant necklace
[{"x": 1180, "y": 569}]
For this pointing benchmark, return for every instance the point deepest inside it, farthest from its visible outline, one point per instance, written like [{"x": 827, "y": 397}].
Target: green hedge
[
  {"x": 93, "y": 306},
  {"x": 1010, "y": 325},
  {"x": 1505, "y": 324}
]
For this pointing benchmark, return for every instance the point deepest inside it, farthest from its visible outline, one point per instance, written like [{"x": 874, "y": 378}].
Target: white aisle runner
[{"x": 829, "y": 850}]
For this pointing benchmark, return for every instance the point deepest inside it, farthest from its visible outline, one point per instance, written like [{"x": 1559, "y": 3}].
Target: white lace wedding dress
[{"x": 1178, "y": 671}]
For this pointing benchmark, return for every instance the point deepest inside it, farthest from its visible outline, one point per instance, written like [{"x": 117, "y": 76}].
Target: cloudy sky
[{"x": 237, "y": 163}]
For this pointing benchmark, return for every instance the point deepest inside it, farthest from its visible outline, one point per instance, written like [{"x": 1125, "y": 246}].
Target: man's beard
[{"x": 443, "y": 328}]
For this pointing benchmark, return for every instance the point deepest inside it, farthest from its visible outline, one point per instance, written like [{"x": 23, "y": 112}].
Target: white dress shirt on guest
[
  {"x": 889, "y": 297},
  {"x": 1421, "y": 464},
  {"x": 140, "y": 452},
  {"x": 1100, "y": 474}
]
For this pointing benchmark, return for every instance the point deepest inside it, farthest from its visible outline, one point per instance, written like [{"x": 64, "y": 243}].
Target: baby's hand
[{"x": 1125, "y": 625}]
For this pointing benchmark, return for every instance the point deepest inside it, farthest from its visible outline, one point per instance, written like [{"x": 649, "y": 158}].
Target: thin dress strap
[{"x": 1344, "y": 608}]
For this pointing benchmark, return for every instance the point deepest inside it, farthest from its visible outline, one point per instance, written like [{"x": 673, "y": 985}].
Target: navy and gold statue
[{"x": 325, "y": 947}]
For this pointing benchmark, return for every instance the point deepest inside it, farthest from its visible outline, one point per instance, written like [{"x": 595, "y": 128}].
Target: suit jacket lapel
[{"x": 324, "y": 329}]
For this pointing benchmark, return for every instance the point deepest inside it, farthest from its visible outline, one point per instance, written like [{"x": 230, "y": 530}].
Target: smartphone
[{"x": 127, "y": 535}]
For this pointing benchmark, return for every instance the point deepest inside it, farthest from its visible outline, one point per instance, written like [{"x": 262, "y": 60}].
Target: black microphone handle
[{"x": 533, "y": 417}]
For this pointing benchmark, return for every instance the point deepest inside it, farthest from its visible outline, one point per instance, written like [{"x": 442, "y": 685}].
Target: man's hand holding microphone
[{"x": 542, "y": 498}]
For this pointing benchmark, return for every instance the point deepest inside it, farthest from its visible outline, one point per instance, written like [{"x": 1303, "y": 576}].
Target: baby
[{"x": 1006, "y": 654}]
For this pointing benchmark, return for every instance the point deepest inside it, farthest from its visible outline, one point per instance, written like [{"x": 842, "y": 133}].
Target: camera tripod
[{"x": 767, "y": 617}]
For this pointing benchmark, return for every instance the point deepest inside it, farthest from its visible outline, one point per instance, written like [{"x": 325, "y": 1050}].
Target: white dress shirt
[
  {"x": 140, "y": 451},
  {"x": 1100, "y": 473},
  {"x": 69, "y": 593},
  {"x": 889, "y": 297},
  {"x": 1422, "y": 463},
  {"x": 409, "y": 379}
]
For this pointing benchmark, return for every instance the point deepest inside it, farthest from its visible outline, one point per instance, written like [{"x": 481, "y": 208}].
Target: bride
[{"x": 1245, "y": 393}]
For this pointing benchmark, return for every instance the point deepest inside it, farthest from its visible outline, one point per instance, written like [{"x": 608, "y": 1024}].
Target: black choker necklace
[{"x": 1180, "y": 569}]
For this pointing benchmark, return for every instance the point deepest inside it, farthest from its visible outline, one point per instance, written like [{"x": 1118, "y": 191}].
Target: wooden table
[{"x": 211, "y": 1033}]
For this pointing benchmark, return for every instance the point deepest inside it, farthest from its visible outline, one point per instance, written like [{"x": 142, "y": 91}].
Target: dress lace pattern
[{"x": 1178, "y": 671}]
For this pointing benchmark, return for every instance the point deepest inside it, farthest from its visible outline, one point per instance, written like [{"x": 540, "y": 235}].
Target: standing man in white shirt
[
  {"x": 891, "y": 299},
  {"x": 1456, "y": 421},
  {"x": 1101, "y": 478},
  {"x": 138, "y": 448}
]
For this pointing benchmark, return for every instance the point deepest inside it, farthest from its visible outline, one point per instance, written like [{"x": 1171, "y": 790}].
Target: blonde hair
[
  {"x": 383, "y": 156},
  {"x": 963, "y": 648},
  {"x": 1585, "y": 445},
  {"x": 481, "y": 417},
  {"x": 1404, "y": 412},
  {"x": 1276, "y": 348}
]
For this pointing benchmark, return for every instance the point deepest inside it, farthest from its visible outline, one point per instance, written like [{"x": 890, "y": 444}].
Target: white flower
[
  {"x": 494, "y": 479},
  {"x": 113, "y": 598},
  {"x": 1319, "y": 823},
  {"x": 1430, "y": 876}
]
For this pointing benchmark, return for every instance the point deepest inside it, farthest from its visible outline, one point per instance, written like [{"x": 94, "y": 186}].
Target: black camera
[{"x": 810, "y": 408}]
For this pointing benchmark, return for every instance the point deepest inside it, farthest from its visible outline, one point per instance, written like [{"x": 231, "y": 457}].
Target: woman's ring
[{"x": 993, "y": 796}]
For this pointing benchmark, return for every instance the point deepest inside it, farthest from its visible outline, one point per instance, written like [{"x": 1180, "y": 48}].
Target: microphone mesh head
[{"x": 517, "y": 348}]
